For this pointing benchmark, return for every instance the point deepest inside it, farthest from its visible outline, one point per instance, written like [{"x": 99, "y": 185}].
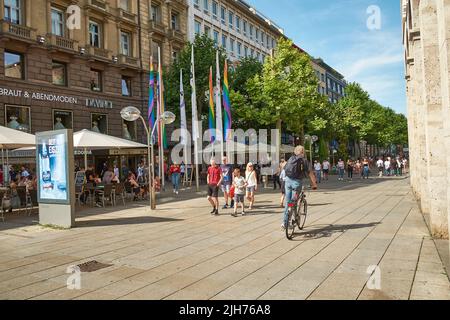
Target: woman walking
[
  {"x": 365, "y": 168},
  {"x": 318, "y": 171},
  {"x": 350, "y": 166},
  {"x": 252, "y": 184},
  {"x": 283, "y": 184},
  {"x": 341, "y": 169}
]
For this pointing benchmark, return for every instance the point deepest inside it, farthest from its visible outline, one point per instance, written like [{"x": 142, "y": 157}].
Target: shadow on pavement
[
  {"x": 122, "y": 221},
  {"x": 329, "y": 230}
]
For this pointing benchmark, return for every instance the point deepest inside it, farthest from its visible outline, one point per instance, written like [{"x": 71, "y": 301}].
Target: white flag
[
  {"x": 183, "y": 113},
  {"x": 195, "y": 133},
  {"x": 219, "y": 123}
]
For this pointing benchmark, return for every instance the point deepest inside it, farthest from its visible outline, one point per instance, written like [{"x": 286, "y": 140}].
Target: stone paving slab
[{"x": 182, "y": 252}]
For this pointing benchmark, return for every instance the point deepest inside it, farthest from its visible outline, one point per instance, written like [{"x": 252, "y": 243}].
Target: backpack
[{"x": 295, "y": 168}]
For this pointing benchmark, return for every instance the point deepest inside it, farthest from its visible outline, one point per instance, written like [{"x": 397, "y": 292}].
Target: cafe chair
[
  {"x": 119, "y": 191},
  {"x": 22, "y": 194},
  {"x": 32, "y": 201},
  {"x": 106, "y": 194}
]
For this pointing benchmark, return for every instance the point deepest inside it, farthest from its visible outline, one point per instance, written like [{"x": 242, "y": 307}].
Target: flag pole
[
  {"x": 161, "y": 147},
  {"x": 195, "y": 128}
]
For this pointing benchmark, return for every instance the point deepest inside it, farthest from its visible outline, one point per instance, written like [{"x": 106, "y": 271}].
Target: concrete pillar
[
  {"x": 434, "y": 124},
  {"x": 443, "y": 16}
]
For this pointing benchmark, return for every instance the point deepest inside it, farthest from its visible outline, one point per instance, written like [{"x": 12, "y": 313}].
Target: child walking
[{"x": 239, "y": 184}]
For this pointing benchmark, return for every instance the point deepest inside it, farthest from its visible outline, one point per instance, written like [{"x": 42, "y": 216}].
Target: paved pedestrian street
[{"x": 181, "y": 251}]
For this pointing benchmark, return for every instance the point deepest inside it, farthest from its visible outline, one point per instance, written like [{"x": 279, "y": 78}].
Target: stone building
[
  {"x": 426, "y": 38},
  {"x": 235, "y": 25},
  {"x": 76, "y": 64}
]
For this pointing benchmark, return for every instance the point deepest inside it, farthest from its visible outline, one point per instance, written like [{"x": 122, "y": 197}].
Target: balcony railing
[
  {"x": 18, "y": 31},
  {"x": 99, "y": 52},
  {"x": 63, "y": 43},
  {"x": 101, "y": 4},
  {"x": 128, "y": 16},
  {"x": 157, "y": 26},
  {"x": 128, "y": 61},
  {"x": 176, "y": 35}
]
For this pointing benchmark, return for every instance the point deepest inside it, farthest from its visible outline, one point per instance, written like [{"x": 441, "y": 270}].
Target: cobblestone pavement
[{"x": 180, "y": 251}]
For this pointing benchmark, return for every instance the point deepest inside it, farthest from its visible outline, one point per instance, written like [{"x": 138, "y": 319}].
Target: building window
[
  {"x": 175, "y": 56},
  {"x": 208, "y": 31},
  {"x": 13, "y": 11},
  {"x": 155, "y": 46},
  {"x": 257, "y": 35},
  {"x": 126, "y": 86},
  {"x": 232, "y": 45},
  {"x": 96, "y": 80},
  {"x": 238, "y": 24},
  {"x": 175, "y": 21},
  {"x": 99, "y": 123},
  {"x": 57, "y": 22},
  {"x": 239, "y": 49},
  {"x": 18, "y": 118},
  {"x": 322, "y": 76},
  {"x": 129, "y": 131},
  {"x": 156, "y": 13},
  {"x": 216, "y": 37},
  {"x": 251, "y": 32},
  {"x": 215, "y": 8},
  {"x": 59, "y": 73},
  {"x": 273, "y": 43},
  {"x": 196, "y": 4},
  {"x": 206, "y": 6},
  {"x": 197, "y": 27},
  {"x": 252, "y": 53},
  {"x": 246, "y": 51},
  {"x": 125, "y": 5},
  {"x": 94, "y": 34},
  {"x": 263, "y": 37},
  {"x": 245, "y": 28},
  {"x": 224, "y": 42},
  {"x": 125, "y": 40},
  {"x": 223, "y": 12},
  {"x": 14, "y": 65},
  {"x": 62, "y": 119},
  {"x": 231, "y": 19}
]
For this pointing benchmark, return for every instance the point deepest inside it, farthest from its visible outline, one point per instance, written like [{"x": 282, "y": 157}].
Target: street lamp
[{"x": 132, "y": 114}]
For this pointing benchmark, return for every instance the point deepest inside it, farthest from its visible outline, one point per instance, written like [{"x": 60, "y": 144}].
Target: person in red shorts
[{"x": 214, "y": 179}]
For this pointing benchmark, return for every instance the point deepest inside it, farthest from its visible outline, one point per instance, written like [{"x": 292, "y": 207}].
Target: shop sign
[
  {"x": 97, "y": 103},
  {"x": 37, "y": 96},
  {"x": 117, "y": 152}
]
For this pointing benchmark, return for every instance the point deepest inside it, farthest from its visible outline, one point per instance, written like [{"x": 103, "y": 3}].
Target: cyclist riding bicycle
[{"x": 296, "y": 169}]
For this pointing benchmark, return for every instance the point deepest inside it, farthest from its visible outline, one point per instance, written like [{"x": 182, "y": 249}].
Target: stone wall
[{"x": 426, "y": 25}]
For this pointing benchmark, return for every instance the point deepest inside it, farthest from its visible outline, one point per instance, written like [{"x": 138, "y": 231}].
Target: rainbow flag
[
  {"x": 151, "y": 97},
  {"x": 212, "y": 117},
  {"x": 162, "y": 139},
  {"x": 226, "y": 103}
]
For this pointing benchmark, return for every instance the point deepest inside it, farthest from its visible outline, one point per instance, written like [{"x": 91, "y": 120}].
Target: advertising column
[{"x": 55, "y": 168}]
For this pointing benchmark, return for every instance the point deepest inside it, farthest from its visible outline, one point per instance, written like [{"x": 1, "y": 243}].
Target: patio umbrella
[
  {"x": 13, "y": 139},
  {"x": 87, "y": 139}
]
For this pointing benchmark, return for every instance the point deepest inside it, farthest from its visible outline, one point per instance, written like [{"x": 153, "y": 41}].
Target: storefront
[{"x": 32, "y": 109}]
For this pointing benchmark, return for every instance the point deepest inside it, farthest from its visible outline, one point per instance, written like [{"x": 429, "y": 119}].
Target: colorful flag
[
  {"x": 227, "y": 104},
  {"x": 162, "y": 108},
  {"x": 212, "y": 118},
  {"x": 217, "y": 89},
  {"x": 195, "y": 129},
  {"x": 183, "y": 122},
  {"x": 151, "y": 97}
]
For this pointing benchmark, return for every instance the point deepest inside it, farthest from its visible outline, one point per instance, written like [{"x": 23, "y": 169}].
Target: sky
[{"x": 337, "y": 31}]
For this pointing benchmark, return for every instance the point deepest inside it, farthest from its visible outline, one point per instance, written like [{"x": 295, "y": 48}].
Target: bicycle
[{"x": 297, "y": 212}]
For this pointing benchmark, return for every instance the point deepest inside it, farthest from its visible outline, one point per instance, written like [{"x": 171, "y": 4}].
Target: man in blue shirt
[{"x": 227, "y": 173}]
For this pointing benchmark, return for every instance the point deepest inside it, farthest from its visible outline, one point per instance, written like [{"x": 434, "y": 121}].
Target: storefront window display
[
  {"x": 62, "y": 119},
  {"x": 129, "y": 130},
  {"x": 99, "y": 123},
  {"x": 18, "y": 118}
]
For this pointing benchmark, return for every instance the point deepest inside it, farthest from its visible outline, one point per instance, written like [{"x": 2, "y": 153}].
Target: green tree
[{"x": 205, "y": 57}]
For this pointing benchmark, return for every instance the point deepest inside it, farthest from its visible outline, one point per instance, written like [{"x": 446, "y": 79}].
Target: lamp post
[{"x": 131, "y": 114}]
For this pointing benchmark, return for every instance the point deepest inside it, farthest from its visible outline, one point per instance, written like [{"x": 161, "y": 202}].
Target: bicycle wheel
[
  {"x": 302, "y": 213},
  {"x": 291, "y": 225}
]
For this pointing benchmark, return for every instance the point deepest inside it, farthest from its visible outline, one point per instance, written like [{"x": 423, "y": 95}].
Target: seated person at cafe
[
  {"x": 108, "y": 176},
  {"x": 138, "y": 191}
]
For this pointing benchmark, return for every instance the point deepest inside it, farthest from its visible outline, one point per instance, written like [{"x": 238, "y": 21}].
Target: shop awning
[
  {"x": 13, "y": 139},
  {"x": 87, "y": 139}
]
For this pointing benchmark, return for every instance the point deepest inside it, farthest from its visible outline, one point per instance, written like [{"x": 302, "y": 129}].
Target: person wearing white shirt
[
  {"x": 380, "y": 167},
  {"x": 326, "y": 169},
  {"x": 387, "y": 167},
  {"x": 318, "y": 171}
]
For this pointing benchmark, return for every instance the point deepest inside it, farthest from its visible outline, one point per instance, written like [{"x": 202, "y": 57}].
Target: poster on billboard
[{"x": 52, "y": 162}]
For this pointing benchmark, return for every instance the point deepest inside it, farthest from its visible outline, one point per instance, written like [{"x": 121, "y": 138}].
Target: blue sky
[{"x": 336, "y": 31}]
